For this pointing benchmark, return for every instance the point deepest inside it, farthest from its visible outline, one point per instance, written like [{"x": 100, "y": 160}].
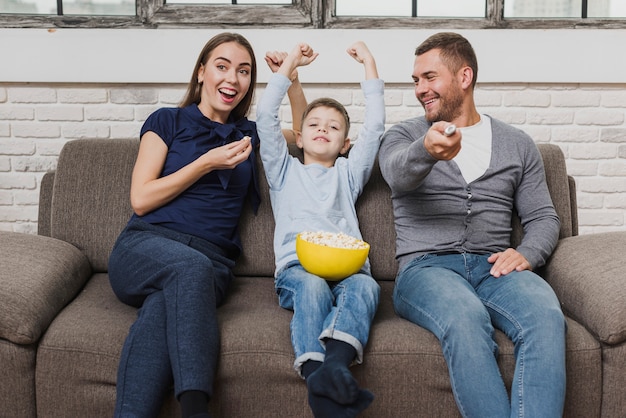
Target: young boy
[{"x": 331, "y": 320}]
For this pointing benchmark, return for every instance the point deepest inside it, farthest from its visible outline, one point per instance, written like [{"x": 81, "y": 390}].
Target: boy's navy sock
[
  {"x": 309, "y": 367},
  {"x": 323, "y": 407},
  {"x": 333, "y": 378},
  {"x": 194, "y": 403}
]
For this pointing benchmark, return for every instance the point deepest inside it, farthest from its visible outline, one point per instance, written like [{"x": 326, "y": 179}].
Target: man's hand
[
  {"x": 439, "y": 145},
  {"x": 507, "y": 261}
]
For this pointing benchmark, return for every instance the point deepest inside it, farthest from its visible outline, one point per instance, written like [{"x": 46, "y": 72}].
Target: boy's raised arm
[
  {"x": 297, "y": 99},
  {"x": 361, "y": 53},
  {"x": 302, "y": 54}
]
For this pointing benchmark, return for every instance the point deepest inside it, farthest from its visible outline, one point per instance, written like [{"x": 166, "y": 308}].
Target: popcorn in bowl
[
  {"x": 332, "y": 256},
  {"x": 332, "y": 239}
]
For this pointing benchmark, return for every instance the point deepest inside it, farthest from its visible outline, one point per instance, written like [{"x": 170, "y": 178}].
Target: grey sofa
[{"x": 62, "y": 329}]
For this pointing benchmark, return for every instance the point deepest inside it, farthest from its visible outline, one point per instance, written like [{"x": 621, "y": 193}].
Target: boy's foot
[
  {"x": 336, "y": 383},
  {"x": 324, "y": 407}
]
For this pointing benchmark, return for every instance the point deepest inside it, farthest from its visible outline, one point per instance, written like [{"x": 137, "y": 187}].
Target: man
[{"x": 453, "y": 196}]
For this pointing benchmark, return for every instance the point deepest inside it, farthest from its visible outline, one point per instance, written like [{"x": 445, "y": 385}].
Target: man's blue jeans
[
  {"x": 341, "y": 310},
  {"x": 177, "y": 281},
  {"x": 456, "y": 298}
]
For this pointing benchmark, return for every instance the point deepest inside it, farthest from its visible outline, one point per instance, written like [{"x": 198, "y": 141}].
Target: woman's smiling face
[{"x": 225, "y": 78}]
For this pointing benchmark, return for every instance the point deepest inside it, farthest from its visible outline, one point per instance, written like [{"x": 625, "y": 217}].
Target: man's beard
[{"x": 449, "y": 106}]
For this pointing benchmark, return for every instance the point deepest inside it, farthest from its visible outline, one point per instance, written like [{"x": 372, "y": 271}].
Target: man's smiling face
[{"x": 436, "y": 87}]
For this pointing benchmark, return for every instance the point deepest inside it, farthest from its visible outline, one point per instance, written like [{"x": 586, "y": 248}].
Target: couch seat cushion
[{"x": 403, "y": 364}]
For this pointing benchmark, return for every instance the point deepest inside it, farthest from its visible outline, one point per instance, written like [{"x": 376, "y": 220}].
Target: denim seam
[
  {"x": 452, "y": 380},
  {"x": 123, "y": 386},
  {"x": 338, "y": 307},
  {"x": 521, "y": 345}
]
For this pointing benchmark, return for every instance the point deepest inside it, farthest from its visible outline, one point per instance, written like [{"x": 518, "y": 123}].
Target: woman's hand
[
  {"x": 149, "y": 191},
  {"x": 227, "y": 156}
]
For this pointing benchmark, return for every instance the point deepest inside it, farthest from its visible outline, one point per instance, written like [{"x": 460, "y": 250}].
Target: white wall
[
  {"x": 168, "y": 55},
  {"x": 566, "y": 87}
]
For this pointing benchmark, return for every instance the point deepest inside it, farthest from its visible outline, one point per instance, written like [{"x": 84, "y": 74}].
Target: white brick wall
[{"x": 587, "y": 121}]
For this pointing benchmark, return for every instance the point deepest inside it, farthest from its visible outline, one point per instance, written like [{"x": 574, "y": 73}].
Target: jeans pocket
[{"x": 414, "y": 262}]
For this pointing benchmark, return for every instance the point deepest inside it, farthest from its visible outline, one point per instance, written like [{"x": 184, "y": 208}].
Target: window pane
[
  {"x": 264, "y": 2},
  {"x": 542, "y": 8},
  {"x": 451, "y": 8},
  {"x": 99, "y": 7},
  {"x": 404, "y": 8},
  {"x": 607, "y": 9},
  {"x": 397, "y": 8},
  {"x": 29, "y": 7},
  {"x": 198, "y": 2},
  {"x": 229, "y": 1}
]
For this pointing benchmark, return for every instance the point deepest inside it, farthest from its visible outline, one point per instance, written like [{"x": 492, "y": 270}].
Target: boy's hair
[
  {"x": 456, "y": 51},
  {"x": 331, "y": 103}
]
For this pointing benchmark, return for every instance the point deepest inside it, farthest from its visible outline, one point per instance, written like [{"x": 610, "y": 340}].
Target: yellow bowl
[{"x": 330, "y": 263}]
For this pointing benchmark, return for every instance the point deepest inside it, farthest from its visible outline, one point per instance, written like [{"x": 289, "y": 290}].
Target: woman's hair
[
  {"x": 331, "y": 103},
  {"x": 194, "y": 88},
  {"x": 456, "y": 51}
]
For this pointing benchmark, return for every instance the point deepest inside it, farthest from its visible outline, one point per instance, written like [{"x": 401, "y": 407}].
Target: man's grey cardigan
[{"x": 437, "y": 211}]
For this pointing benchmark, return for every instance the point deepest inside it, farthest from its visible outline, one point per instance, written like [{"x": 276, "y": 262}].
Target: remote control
[{"x": 450, "y": 130}]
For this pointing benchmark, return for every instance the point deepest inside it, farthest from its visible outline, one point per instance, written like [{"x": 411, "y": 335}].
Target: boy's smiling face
[{"x": 323, "y": 136}]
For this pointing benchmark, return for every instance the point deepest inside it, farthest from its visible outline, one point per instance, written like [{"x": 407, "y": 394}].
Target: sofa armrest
[
  {"x": 588, "y": 275},
  {"x": 38, "y": 277}
]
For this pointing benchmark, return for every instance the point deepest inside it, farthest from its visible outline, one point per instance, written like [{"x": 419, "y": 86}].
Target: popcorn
[{"x": 332, "y": 239}]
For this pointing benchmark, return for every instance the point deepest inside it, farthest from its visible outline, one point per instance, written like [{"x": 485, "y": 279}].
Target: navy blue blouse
[{"x": 211, "y": 207}]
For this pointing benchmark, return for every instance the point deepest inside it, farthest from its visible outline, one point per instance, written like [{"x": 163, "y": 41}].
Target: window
[
  {"x": 412, "y": 8},
  {"x": 554, "y": 9},
  {"x": 564, "y": 9},
  {"x": 231, "y": 2},
  {"x": 317, "y": 14},
  {"x": 69, "y": 7}
]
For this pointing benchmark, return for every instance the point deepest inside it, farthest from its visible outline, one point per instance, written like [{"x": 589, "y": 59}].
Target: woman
[{"x": 194, "y": 170}]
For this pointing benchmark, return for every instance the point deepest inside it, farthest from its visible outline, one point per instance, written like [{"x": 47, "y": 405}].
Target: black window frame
[{"x": 310, "y": 14}]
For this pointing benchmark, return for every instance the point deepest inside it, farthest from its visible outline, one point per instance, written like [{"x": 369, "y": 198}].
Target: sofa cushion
[
  {"x": 91, "y": 201},
  {"x": 257, "y": 235},
  {"x": 17, "y": 386},
  {"x": 587, "y": 272},
  {"x": 403, "y": 364},
  {"x": 78, "y": 356},
  {"x": 42, "y": 276},
  {"x": 46, "y": 186},
  {"x": 558, "y": 185}
]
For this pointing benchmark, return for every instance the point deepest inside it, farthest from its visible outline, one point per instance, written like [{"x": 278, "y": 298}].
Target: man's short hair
[{"x": 456, "y": 51}]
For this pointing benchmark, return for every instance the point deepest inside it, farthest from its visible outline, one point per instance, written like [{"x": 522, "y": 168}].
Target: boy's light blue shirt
[{"x": 312, "y": 197}]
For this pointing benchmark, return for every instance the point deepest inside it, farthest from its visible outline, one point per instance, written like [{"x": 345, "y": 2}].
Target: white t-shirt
[{"x": 475, "y": 155}]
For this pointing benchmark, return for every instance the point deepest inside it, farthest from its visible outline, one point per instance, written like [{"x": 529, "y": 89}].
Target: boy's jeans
[
  {"x": 341, "y": 310},
  {"x": 456, "y": 298}
]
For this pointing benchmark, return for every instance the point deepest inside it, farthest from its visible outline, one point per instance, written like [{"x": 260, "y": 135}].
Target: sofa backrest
[
  {"x": 562, "y": 188},
  {"x": 86, "y": 203},
  {"x": 90, "y": 195}
]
